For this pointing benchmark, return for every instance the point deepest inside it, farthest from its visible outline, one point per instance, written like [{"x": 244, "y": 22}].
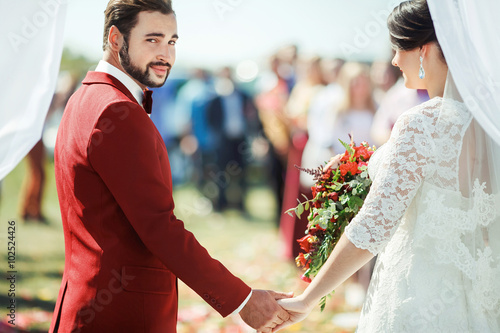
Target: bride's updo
[{"x": 410, "y": 26}]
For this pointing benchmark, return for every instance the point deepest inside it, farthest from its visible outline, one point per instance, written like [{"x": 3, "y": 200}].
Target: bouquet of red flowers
[{"x": 338, "y": 194}]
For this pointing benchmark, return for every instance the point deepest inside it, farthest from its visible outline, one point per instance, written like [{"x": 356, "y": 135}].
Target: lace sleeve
[{"x": 403, "y": 166}]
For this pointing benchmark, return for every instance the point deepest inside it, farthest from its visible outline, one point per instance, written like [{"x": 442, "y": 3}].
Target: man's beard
[{"x": 141, "y": 76}]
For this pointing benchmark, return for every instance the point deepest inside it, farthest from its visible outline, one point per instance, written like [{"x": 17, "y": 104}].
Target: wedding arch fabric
[{"x": 31, "y": 48}]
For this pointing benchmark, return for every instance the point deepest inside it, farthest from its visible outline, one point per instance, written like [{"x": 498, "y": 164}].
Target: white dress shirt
[
  {"x": 136, "y": 91},
  {"x": 131, "y": 85}
]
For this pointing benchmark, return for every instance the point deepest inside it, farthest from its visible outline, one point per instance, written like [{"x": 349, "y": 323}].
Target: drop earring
[{"x": 421, "y": 72}]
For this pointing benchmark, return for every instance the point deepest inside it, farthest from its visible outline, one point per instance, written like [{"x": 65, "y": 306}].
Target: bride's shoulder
[
  {"x": 429, "y": 108},
  {"x": 426, "y": 112},
  {"x": 435, "y": 107},
  {"x": 436, "y": 113}
]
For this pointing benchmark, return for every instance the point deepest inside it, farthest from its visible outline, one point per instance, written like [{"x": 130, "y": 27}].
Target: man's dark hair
[{"x": 123, "y": 14}]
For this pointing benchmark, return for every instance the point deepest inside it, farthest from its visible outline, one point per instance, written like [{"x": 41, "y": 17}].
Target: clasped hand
[{"x": 262, "y": 311}]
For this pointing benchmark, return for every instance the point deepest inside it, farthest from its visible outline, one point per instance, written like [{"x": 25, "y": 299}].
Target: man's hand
[{"x": 262, "y": 312}]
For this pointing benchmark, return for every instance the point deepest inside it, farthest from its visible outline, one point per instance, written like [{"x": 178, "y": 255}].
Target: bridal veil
[{"x": 469, "y": 36}]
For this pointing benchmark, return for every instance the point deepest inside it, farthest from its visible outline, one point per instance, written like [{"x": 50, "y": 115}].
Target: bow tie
[{"x": 147, "y": 101}]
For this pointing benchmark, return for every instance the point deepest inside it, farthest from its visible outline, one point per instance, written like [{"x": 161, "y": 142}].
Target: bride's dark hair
[{"x": 410, "y": 26}]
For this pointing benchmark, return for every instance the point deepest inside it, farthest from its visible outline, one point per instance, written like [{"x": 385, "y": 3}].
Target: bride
[{"x": 432, "y": 214}]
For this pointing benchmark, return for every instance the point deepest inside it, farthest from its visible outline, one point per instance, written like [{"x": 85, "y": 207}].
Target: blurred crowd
[{"x": 225, "y": 135}]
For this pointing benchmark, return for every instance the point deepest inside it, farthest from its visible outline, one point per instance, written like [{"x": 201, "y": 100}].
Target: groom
[{"x": 124, "y": 246}]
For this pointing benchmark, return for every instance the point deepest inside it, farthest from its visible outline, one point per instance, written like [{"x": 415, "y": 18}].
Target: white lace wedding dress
[{"x": 427, "y": 278}]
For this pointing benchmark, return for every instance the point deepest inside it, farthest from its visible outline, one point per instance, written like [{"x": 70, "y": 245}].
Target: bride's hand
[
  {"x": 334, "y": 162},
  {"x": 297, "y": 308}
]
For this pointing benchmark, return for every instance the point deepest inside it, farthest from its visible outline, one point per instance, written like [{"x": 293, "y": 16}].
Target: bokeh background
[{"x": 258, "y": 87}]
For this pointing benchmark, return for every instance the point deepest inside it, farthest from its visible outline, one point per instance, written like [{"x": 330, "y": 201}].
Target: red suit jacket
[{"x": 124, "y": 247}]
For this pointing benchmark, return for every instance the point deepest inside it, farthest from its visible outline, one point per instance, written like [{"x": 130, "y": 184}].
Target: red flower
[
  {"x": 346, "y": 157},
  {"x": 351, "y": 167},
  {"x": 301, "y": 259},
  {"x": 314, "y": 229},
  {"x": 326, "y": 175},
  {"x": 362, "y": 152},
  {"x": 306, "y": 279},
  {"x": 333, "y": 196},
  {"x": 304, "y": 243}
]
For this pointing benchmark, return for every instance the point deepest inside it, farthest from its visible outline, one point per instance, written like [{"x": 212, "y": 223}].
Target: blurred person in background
[
  {"x": 233, "y": 119},
  {"x": 355, "y": 113},
  {"x": 34, "y": 184},
  {"x": 354, "y": 116},
  {"x": 173, "y": 125},
  {"x": 321, "y": 120},
  {"x": 34, "y": 180},
  {"x": 383, "y": 76},
  {"x": 289, "y": 59},
  {"x": 271, "y": 102},
  {"x": 199, "y": 145},
  {"x": 396, "y": 101},
  {"x": 309, "y": 83}
]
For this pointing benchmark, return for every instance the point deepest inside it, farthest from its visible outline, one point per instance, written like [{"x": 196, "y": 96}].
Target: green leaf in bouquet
[
  {"x": 332, "y": 206},
  {"x": 322, "y": 303},
  {"x": 299, "y": 210},
  {"x": 348, "y": 209},
  {"x": 289, "y": 212},
  {"x": 307, "y": 205},
  {"x": 347, "y": 147},
  {"x": 355, "y": 203},
  {"x": 344, "y": 198},
  {"x": 353, "y": 183}
]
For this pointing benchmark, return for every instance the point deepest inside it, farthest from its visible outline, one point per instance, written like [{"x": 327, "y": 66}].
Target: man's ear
[{"x": 115, "y": 39}]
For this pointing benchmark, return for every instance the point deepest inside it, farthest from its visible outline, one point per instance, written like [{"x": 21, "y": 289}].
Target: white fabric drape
[
  {"x": 31, "y": 46},
  {"x": 469, "y": 34}
]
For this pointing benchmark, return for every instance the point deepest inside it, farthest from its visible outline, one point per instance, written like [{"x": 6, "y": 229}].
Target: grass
[{"x": 247, "y": 244}]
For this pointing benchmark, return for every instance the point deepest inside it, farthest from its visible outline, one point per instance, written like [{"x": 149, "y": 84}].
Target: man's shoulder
[{"x": 98, "y": 92}]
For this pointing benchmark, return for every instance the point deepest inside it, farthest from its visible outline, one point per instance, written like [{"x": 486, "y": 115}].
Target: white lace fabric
[{"x": 436, "y": 270}]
